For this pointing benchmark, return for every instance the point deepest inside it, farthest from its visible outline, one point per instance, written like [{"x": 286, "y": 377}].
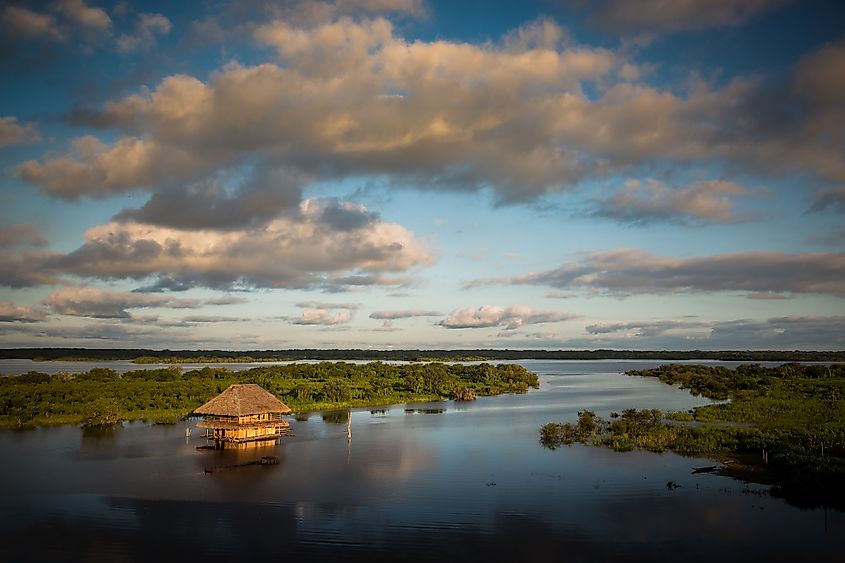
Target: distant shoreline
[{"x": 147, "y": 356}]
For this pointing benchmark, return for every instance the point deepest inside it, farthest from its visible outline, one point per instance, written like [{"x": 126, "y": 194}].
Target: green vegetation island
[
  {"x": 103, "y": 397},
  {"x": 228, "y": 356},
  {"x": 783, "y": 426}
]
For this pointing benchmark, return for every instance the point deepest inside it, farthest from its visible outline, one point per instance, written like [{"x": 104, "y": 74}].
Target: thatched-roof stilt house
[{"x": 243, "y": 415}]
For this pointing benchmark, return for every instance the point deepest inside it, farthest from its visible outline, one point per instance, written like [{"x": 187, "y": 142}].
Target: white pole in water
[
  {"x": 349, "y": 425},
  {"x": 348, "y": 437}
]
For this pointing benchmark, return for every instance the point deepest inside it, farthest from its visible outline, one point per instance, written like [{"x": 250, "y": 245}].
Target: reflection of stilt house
[{"x": 243, "y": 415}]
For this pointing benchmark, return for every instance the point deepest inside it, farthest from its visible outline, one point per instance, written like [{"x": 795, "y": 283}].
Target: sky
[{"x": 560, "y": 174}]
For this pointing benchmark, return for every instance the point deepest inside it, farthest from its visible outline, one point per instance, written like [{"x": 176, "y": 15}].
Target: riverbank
[
  {"x": 102, "y": 396},
  {"x": 781, "y": 426}
]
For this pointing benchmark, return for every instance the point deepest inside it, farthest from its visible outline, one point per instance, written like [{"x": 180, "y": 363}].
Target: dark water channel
[{"x": 464, "y": 481}]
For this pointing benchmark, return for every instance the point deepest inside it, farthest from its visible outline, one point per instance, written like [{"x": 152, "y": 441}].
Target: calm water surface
[{"x": 459, "y": 480}]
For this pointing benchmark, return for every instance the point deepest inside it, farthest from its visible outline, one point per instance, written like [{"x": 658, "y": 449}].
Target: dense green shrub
[
  {"x": 794, "y": 414},
  {"x": 101, "y": 412},
  {"x": 170, "y": 393}
]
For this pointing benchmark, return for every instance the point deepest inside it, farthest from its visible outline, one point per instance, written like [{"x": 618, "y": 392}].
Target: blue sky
[{"x": 409, "y": 174}]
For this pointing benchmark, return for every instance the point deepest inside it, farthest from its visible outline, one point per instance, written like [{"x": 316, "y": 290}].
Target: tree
[
  {"x": 337, "y": 391},
  {"x": 101, "y": 413}
]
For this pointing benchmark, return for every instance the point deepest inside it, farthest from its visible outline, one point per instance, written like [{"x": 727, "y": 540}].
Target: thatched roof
[{"x": 243, "y": 400}]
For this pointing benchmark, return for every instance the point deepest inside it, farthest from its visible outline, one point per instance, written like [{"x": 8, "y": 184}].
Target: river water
[{"x": 464, "y": 481}]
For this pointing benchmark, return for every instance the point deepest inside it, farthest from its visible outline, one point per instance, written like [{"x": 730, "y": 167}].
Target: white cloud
[
  {"x": 294, "y": 251},
  {"x": 96, "y": 169},
  {"x": 323, "y": 317},
  {"x": 81, "y": 14},
  {"x": 351, "y": 98},
  {"x": 226, "y": 300},
  {"x": 509, "y": 317},
  {"x": 9, "y": 313},
  {"x": 21, "y": 234},
  {"x": 642, "y": 202},
  {"x": 148, "y": 28},
  {"x": 64, "y": 19},
  {"x": 12, "y": 132},
  {"x": 348, "y": 98},
  {"x": 25, "y": 269},
  {"x": 324, "y": 314},
  {"x": 24, "y": 22},
  {"x": 107, "y": 304}
]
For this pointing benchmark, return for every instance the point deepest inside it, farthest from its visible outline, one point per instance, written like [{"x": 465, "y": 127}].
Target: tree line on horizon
[{"x": 224, "y": 356}]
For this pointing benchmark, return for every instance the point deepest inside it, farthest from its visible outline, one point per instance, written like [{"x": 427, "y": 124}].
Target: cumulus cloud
[
  {"x": 404, "y": 314},
  {"x": 107, "y": 304},
  {"x": 93, "y": 168},
  {"x": 315, "y": 12},
  {"x": 148, "y": 28},
  {"x": 63, "y": 19},
  {"x": 83, "y": 15},
  {"x": 656, "y": 16},
  {"x": 21, "y": 234},
  {"x": 264, "y": 195},
  {"x": 288, "y": 252},
  {"x": 348, "y": 98},
  {"x": 12, "y": 132},
  {"x": 324, "y": 314},
  {"x": 26, "y": 269},
  {"x": 648, "y": 201},
  {"x": 226, "y": 20},
  {"x": 21, "y": 21},
  {"x": 10, "y": 313},
  {"x": 226, "y": 300},
  {"x": 528, "y": 115},
  {"x": 344, "y": 215},
  {"x": 629, "y": 271},
  {"x": 510, "y": 317}
]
